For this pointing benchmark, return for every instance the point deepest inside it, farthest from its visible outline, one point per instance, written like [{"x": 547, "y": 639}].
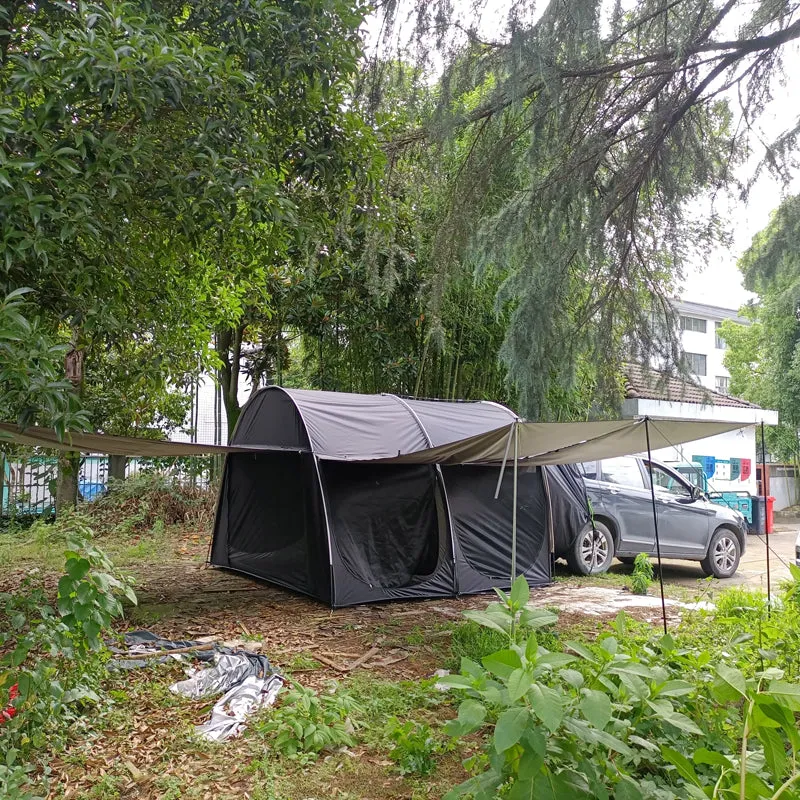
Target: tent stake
[
  {"x": 766, "y": 517},
  {"x": 514, "y": 508},
  {"x": 655, "y": 521},
  {"x": 505, "y": 459}
]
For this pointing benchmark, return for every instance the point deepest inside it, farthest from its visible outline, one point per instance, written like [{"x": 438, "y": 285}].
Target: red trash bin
[{"x": 770, "y": 504}]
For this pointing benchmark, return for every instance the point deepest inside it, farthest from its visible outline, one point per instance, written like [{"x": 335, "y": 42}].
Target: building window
[
  {"x": 693, "y": 324},
  {"x": 722, "y": 384},
  {"x": 719, "y": 342},
  {"x": 695, "y": 363}
]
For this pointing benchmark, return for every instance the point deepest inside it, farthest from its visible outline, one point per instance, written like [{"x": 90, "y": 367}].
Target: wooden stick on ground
[
  {"x": 368, "y": 655},
  {"x": 176, "y": 651}
]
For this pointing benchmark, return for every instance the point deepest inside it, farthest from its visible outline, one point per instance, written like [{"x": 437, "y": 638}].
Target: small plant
[
  {"x": 414, "y": 747},
  {"x": 52, "y": 658},
  {"x": 642, "y": 575},
  {"x": 307, "y": 722}
]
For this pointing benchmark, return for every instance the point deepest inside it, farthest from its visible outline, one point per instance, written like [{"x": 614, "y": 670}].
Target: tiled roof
[{"x": 654, "y": 385}]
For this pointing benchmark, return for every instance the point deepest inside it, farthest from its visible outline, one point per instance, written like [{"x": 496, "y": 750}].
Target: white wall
[
  {"x": 705, "y": 344},
  {"x": 734, "y": 444}
]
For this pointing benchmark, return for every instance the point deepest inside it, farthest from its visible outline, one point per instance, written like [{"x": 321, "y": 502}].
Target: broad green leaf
[
  {"x": 535, "y": 618},
  {"x": 547, "y": 705},
  {"x": 774, "y": 753},
  {"x": 675, "y": 688},
  {"x": 502, "y": 663},
  {"x": 681, "y": 763},
  {"x": 456, "y": 681},
  {"x": 596, "y": 707},
  {"x": 787, "y": 694},
  {"x": 519, "y": 682},
  {"x": 494, "y": 621},
  {"x": 705, "y": 756},
  {"x": 472, "y": 713},
  {"x": 730, "y": 683},
  {"x": 581, "y": 650},
  {"x": 627, "y": 789},
  {"x": 510, "y": 726},
  {"x": 520, "y": 592},
  {"x": 644, "y": 743},
  {"x": 77, "y": 568},
  {"x": 572, "y": 677},
  {"x": 532, "y": 759}
]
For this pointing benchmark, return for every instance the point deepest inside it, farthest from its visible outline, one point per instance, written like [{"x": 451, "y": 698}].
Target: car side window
[
  {"x": 588, "y": 469},
  {"x": 623, "y": 472},
  {"x": 664, "y": 482}
]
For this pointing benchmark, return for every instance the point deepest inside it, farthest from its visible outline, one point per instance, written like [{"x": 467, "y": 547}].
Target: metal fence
[{"x": 28, "y": 482}]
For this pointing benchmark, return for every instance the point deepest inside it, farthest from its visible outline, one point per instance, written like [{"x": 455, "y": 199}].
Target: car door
[
  {"x": 684, "y": 520},
  {"x": 625, "y": 497}
]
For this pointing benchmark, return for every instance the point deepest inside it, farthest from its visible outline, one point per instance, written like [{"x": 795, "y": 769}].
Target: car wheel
[
  {"x": 724, "y": 552},
  {"x": 592, "y": 551}
]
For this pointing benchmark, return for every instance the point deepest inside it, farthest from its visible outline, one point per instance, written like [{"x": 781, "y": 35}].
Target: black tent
[{"x": 297, "y": 511}]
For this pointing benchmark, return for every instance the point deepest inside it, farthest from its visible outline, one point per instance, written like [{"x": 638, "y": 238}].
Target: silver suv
[{"x": 690, "y": 526}]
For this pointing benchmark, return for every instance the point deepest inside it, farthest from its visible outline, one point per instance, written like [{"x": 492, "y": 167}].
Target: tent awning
[
  {"x": 564, "y": 442},
  {"x": 114, "y": 445},
  {"x": 539, "y": 443}
]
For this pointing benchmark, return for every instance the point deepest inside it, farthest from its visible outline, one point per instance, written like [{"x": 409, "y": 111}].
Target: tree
[
  {"x": 588, "y": 133},
  {"x": 133, "y": 139},
  {"x": 764, "y": 358}
]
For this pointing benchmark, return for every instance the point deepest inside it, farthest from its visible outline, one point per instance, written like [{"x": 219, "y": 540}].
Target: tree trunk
[
  {"x": 69, "y": 465},
  {"x": 116, "y": 467},
  {"x": 229, "y": 349}
]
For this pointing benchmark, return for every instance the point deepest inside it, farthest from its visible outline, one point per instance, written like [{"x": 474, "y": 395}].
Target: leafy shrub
[
  {"x": 642, "y": 575},
  {"x": 54, "y": 656},
  {"x": 414, "y": 747},
  {"x": 150, "y": 500},
  {"x": 307, "y": 722},
  {"x": 607, "y": 720}
]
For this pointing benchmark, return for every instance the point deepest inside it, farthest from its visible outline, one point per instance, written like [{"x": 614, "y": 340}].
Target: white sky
[{"x": 716, "y": 281}]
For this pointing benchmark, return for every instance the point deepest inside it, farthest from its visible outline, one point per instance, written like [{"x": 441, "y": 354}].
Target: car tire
[
  {"x": 626, "y": 559},
  {"x": 592, "y": 551},
  {"x": 724, "y": 552}
]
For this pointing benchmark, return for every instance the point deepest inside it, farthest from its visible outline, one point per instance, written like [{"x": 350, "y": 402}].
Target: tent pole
[
  {"x": 766, "y": 516},
  {"x": 505, "y": 459},
  {"x": 514, "y": 509},
  {"x": 655, "y": 521}
]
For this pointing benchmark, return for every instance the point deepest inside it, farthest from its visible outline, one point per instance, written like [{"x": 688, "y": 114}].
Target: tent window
[{"x": 385, "y": 521}]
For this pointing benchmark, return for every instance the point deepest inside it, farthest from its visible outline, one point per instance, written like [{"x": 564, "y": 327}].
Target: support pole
[
  {"x": 505, "y": 459},
  {"x": 766, "y": 516},
  {"x": 514, "y": 508},
  {"x": 655, "y": 521}
]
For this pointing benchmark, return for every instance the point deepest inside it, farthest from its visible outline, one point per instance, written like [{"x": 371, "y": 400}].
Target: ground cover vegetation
[{"x": 534, "y": 701}]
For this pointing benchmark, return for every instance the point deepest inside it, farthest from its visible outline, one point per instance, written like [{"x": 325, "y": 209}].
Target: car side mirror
[{"x": 697, "y": 493}]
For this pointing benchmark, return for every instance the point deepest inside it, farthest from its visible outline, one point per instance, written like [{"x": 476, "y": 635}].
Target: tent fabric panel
[
  {"x": 385, "y": 522},
  {"x": 273, "y": 525},
  {"x": 270, "y": 418},
  {"x": 357, "y": 426},
  {"x": 569, "y": 503},
  {"x": 483, "y": 525},
  {"x": 567, "y": 442},
  {"x": 447, "y": 422}
]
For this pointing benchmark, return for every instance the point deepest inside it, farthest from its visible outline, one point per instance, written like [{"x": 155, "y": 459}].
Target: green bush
[
  {"x": 610, "y": 720},
  {"x": 54, "y": 655},
  {"x": 414, "y": 747},
  {"x": 307, "y": 722},
  {"x": 642, "y": 575}
]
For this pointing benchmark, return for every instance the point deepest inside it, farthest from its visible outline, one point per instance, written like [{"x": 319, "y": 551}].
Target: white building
[{"x": 703, "y": 348}]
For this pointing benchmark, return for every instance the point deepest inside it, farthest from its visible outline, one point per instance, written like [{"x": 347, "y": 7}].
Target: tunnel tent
[{"x": 308, "y": 512}]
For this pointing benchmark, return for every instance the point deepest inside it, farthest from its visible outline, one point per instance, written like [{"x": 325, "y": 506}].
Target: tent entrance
[{"x": 386, "y": 522}]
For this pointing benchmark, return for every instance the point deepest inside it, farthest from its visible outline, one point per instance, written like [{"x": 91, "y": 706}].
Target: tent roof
[
  {"x": 566, "y": 442},
  {"x": 348, "y": 426}
]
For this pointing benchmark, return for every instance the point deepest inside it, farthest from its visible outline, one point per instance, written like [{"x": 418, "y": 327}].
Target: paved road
[{"x": 752, "y": 571}]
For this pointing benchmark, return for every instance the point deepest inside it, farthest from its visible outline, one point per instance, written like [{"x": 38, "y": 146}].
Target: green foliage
[
  {"x": 622, "y": 719},
  {"x": 642, "y": 575},
  {"x": 54, "y": 655},
  {"x": 306, "y": 722},
  {"x": 414, "y": 747},
  {"x": 32, "y": 387}
]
